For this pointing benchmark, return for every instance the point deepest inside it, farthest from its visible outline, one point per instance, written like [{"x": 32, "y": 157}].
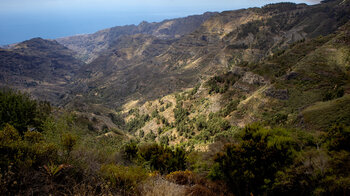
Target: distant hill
[
  {"x": 90, "y": 46},
  {"x": 42, "y": 67}
]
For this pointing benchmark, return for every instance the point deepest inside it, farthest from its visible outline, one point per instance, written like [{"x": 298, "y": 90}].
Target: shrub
[
  {"x": 124, "y": 178},
  {"x": 181, "y": 177},
  {"x": 230, "y": 107},
  {"x": 22, "y": 112},
  {"x": 68, "y": 141},
  {"x": 338, "y": 138},
  {"x": 24, "y": 154},
  {"x": 117, "y": 119},
  {"x": 137, "y": 122},
  {"x": 333, "y": 94},
  {"x": 252, "y": 164},
  {"x": 162, "y": 158},
  {"x": 141, "y": 134},
  {"x": 9, "y": 135},
  {"x": 180, "y": 114},
  {"x": 33, "y": 137},
  {"x": 129, "y": 151},
  {"x": 164, "y": 140}
]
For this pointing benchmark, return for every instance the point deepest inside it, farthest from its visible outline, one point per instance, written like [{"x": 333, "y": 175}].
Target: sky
[{"x": 25, "y": 19}]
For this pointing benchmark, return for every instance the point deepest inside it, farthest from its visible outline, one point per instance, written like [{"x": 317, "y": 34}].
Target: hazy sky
[{"x": 25, "y": 19}]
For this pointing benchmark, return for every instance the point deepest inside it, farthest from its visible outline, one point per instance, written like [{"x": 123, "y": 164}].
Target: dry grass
[{"x": 157, "y": 186}]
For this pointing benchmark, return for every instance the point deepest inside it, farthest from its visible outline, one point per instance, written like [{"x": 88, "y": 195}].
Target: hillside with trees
[{"x": 258, "y": 106}]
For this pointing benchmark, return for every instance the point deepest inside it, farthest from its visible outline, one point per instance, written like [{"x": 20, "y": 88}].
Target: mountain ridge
[{"x": 89, "y": 45}]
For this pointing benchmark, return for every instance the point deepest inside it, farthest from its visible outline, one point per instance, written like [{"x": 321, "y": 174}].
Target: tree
[{"x": 250, "y": 166}]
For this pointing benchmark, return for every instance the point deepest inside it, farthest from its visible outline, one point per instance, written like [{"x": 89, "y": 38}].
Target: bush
[
  {"x": 24, "y": 153},
  {"x": 22, "y": 112},
  {"x": 252, "y": 164},
  {"x": 68, "y": 141},
  {"x": 137, "y": 122},
  {"x": 333, "y": 94},
  {"x": 180, "y": 114},
  {"x": 126, "y": 179},
  {"x": 181, "y": 177},
  {"x": 33, "y": 137},
  {"x": 338, "y": 138},
  {"x": 117, "y": 119},
  {"x": 129, "y": 151},
  {"x": 230, "y": 107},
  {"x": 164, "y": 140},
  {"x": 162, "y": 158}
]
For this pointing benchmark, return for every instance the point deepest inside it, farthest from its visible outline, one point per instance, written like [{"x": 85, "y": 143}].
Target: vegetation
[
  {"x": 276, "y": 125},
  {"x": 21, "y": 112},
  {"x": 254, "y": 160}
]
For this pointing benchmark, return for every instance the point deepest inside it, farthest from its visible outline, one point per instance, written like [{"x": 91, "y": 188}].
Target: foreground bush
[
  {"x": 251, "y": 165},
  {"x": 125, "y": 179},
  {"x": 21, "y": 111},
  {"x": 162, "y": 158}
]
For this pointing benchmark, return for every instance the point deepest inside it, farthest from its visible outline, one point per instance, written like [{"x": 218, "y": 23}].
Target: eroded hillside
[
  {"x": 304, "y": 86},
  {"x": 146, "y": 67}
]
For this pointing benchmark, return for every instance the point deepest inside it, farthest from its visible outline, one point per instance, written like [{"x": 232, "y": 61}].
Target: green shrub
[
  {"x": 141, "y": 134},
  {"x": 129, "y": 151},
  {"x": 252, "y": 164},
  {"x": 150, "y": 136},
  {"x": 230, "y": 107},
  {"x": 126, "y": 179},
  {"x": 137, "y": 122},
  {"x": 9, "y": 135},
  {"x": 217, "y": 124},
  {"x": 201, "y": 122},
  {"x": 180, "y": 114},
  {"x": 338, "y": 138},
  {"x": 162, "y": 158},
  {"x": 164, "y": 140},
  {"x": 24, "y": 153},
  {"x": 33, "y": 136},
  {"x": 333, "y": 94},
  {"x": 21, "y": 111},
  {"x": 68, "y": 142},
  {"x": 117, "y": 119}
]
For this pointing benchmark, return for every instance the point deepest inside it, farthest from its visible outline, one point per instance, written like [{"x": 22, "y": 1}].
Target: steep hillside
[
  {"x": 90, "y": 46},
  {"x": 304, "y": 86},
  {"x": 43, "y": 68},
  {"x": 145, "y": 67}
]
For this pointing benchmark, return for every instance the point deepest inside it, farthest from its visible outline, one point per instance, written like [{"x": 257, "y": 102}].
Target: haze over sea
[{"x": 24, "y": 19}]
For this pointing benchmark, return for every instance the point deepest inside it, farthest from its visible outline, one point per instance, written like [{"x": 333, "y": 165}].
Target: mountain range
[{"x": 145, "y": 62}]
